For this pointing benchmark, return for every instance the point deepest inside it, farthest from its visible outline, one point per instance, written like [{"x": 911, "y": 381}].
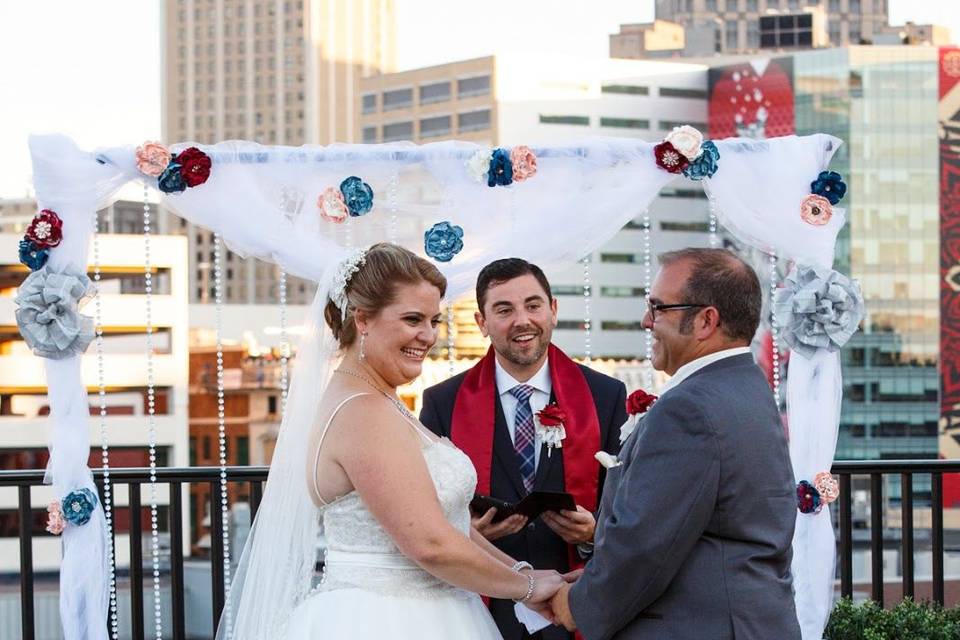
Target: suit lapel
[{"x": 503, "y": 448}]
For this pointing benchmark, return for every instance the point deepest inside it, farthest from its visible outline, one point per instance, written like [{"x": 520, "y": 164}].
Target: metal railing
[{"x": 175, "y": 478}]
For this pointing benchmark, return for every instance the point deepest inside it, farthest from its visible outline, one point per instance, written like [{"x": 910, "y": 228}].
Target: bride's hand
[{"x": 544, "y": 586}]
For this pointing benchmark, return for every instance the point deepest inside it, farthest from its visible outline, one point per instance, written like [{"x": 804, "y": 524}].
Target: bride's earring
[{"x": 362, "y": 338}]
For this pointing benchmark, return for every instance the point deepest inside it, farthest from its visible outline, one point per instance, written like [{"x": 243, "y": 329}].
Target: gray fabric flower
[
  {"x": 818, "y": 309},
  {"x": 48, "y": 313}
]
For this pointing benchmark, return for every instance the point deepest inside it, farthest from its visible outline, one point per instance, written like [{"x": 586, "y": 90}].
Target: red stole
[{"x": 473, "y": 424}]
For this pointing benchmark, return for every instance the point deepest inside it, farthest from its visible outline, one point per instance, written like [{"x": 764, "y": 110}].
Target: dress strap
[{"x": 323, "y": 434}]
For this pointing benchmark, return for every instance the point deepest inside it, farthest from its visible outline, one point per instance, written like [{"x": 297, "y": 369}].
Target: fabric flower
[
  {"x": 171, "y": 180},
  {"x": 523, "y": 163},
  {"x": 705, "y": 165},
  {"x": 827, "y": 486},
  {"x": 669, "y": 159},
  {"x": 686, "y": 140},
  {"x": 478, "y": 165},
  {"x": 817, "y": 308},
  {"x": 606, "y": 460},
  {"x": 442, "y": 241},
  {"x": 501, "y": 169},
  {"x": 550, "y": 429},
  {"x": 357, "y": 195},
  {"x": 808, "y": 498},
  {"x": 33, "y": 256},
  {"x": 55, "y": 521},
  {"x": 639, "y": 402},
  {"x": 816, "y": 210},
  {"x": 45, "y": 230},
  {"x": 830, "y": 185},
  {"x": 331, "y": 205},
  {"x": 48, "y": 313},
  {"x": 152, "y": 159},
  {"x": 194, "y": 166},
  {"x": 78, "y": 506}
]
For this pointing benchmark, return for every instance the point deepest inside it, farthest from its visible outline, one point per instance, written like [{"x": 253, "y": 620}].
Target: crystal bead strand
[
  {"x": 392, "y": 204},
  {"x": 104, "y": 447},
  {"x": 284, "y": 345},
  {"x": 587, "y": 323},
  {"x": 451, "y": 354},
  {"x": 647, "y": 282},
  {"x": 774, "y": 331},
  {"x": 151, "y": 416},
  {"x": 222, "y": 425}
]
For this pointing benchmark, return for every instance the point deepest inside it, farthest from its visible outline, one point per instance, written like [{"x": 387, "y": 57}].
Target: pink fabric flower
[
  {"x": 333, "y": 208},
  {"x": 524, "y": 163},
  {"x": 816, "y": 210},
  {"x": 55, "y": 521},
  {"x": 827, "y": 485},
  {"x": 152, "y": 158}
]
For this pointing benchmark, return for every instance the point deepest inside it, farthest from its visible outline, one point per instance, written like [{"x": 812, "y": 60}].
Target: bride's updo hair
[{"x": 375, "y": 285}]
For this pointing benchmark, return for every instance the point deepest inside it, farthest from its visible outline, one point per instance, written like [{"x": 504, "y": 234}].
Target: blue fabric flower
[
  {"x": 171, "y": 180},
  {"x": 706, "y": 163},
  {"x": 358, "y": 195},
  {"x": 78, "y": 506},
  {"x": 808, "y": 498},
  {"x": 830, "y": 185},
  {"x": 501, "y": 169},
  {"x": 442, "y": 241},
  {"x": 32, "y": 256}
]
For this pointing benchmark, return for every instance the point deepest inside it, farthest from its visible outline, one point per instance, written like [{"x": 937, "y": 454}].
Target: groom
[
  {"x": 489, "y": 411},
  {"x": 697, "y": 520}
]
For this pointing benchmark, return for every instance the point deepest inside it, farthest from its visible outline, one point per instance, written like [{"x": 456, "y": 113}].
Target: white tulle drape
[{"x": 262, "y": 200}]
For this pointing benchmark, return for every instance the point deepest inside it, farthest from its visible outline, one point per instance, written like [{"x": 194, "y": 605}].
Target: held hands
[
  {"x": 491, "y": 531},
  {"x": 546, "y": 585},
  {"x": 575, "y": 527}
]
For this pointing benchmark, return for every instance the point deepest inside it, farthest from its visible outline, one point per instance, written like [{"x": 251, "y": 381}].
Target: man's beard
[{"x": 517, "y": 357}]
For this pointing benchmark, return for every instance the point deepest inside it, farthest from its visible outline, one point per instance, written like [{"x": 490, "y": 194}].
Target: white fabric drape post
[
  {"x": 582, "y": 194},
  {"x": 759, "y": 202}
]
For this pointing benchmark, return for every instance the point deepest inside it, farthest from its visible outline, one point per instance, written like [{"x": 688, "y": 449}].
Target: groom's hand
[
  {"x": 485, "y": 526},
  {"x": 560, "y": 605},
  {"x": 575, "y": 527}
]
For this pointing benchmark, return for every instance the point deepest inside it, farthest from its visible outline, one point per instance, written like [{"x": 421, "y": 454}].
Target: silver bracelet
[
  {"x": 521, "y": 565},
  {"x": 530, "y": 584}
]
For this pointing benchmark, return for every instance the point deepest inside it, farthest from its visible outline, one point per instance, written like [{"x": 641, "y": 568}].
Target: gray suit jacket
[{"x": 696, "y": 523}]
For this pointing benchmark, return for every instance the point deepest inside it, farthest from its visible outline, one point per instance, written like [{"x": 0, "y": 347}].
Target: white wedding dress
[{"x": 370, "y": 591}]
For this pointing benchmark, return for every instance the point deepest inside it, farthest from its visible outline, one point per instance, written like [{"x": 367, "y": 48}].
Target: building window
[
  {"x": 620, "y": 325},
  {"x": 436, "y": 92},
  {"x": 626, "y": 89},
  {"x": 667, "y": 125},
  {"x": 753, "y": 35},
  {"x": 752, "y": 6},
  {"x": 397, "y": 99},
  {"x": 476, "y": 86},
  {"x": 577, "y": 120},
  {"x": 620, "y": 258},
  {"x": 625, "y": 123},
  {"x": 675, "y": 92},
  {"x": 436, "y": 126},
  {"x": 397, "y": 131},
  {"x": 696, "y": 194},
  {"x": 473, "y": 120},
  {"x": 710, "y": 5},
  {"x": 369, "y": 103},
  {"x": 696, "y": 227},
  {"x": 623, "y": 292},
  {"x": 369, "y": 135},
  {"x": 568, "y": 290},
  {"x": 732, "y": 34},
  {"x": 573, "y": 325}
]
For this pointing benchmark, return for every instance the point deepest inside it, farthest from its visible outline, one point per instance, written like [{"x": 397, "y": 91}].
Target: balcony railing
[{"x": 175, "y": 478}]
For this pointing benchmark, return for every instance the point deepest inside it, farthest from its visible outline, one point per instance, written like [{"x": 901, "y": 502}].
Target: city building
[
  {"x": 23, "y": 395},
  {"x": 540, "y": 99},
  {"x": 272, "y": 72}
]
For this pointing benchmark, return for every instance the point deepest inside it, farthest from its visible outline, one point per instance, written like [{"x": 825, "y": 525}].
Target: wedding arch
[{"x": 461, "y": 205}]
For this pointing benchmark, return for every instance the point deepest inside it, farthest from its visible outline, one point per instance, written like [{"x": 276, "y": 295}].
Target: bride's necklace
[{"x": 397, "y": 402}]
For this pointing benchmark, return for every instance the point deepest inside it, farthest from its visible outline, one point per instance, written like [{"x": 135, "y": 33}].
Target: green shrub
[{"x": 909, "y": 620}]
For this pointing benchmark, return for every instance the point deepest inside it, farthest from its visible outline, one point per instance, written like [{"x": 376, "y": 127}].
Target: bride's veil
[{"x": 275, "y": 569}]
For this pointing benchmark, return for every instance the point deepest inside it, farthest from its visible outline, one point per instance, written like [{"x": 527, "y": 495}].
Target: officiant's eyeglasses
[{"x": 654, "y": 309}]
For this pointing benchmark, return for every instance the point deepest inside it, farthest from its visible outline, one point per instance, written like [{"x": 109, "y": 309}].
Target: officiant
[{"x": 490, "y": 412}]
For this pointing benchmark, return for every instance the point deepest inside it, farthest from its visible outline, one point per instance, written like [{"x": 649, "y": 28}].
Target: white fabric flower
[
  {"x": 606, "y": 460},
  {"x": 686, "y": 140},
  {"x": 629, "y": 426},
  {"x": 552, "y": 436},
  {"x": 478, "y": 165}
]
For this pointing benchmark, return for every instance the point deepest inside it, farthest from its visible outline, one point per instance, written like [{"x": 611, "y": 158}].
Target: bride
[{"x": 402, "y": 560}]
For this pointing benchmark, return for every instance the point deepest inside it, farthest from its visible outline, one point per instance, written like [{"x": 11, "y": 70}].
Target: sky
[{"x": 91, "y": 70}]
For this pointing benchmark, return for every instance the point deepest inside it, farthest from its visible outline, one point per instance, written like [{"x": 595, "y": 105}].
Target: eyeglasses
[{"x": 654, "y": 309}]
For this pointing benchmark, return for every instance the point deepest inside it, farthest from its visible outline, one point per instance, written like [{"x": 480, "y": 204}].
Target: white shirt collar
[
  {"x": 693, "y": 366},
  {"x": 540, "y": 380}
]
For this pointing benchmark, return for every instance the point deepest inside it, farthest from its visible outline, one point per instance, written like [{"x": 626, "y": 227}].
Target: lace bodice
[{"x": 359, "y": 553}]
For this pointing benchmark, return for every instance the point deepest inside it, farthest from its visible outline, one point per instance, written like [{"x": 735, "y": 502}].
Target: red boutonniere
[
  {"x": 638, "y": 403},
  {"x": 550, "y": 429}
]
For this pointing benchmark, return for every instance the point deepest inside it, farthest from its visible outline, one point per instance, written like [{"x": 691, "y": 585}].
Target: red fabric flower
[
  {"x": 46, "y": 230},
  {"x": 669, "y": 159},
  {"x": 551, "y": 415},
  {"x": 194, "y": 166},
  {"x": 639, "y": 402}
]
